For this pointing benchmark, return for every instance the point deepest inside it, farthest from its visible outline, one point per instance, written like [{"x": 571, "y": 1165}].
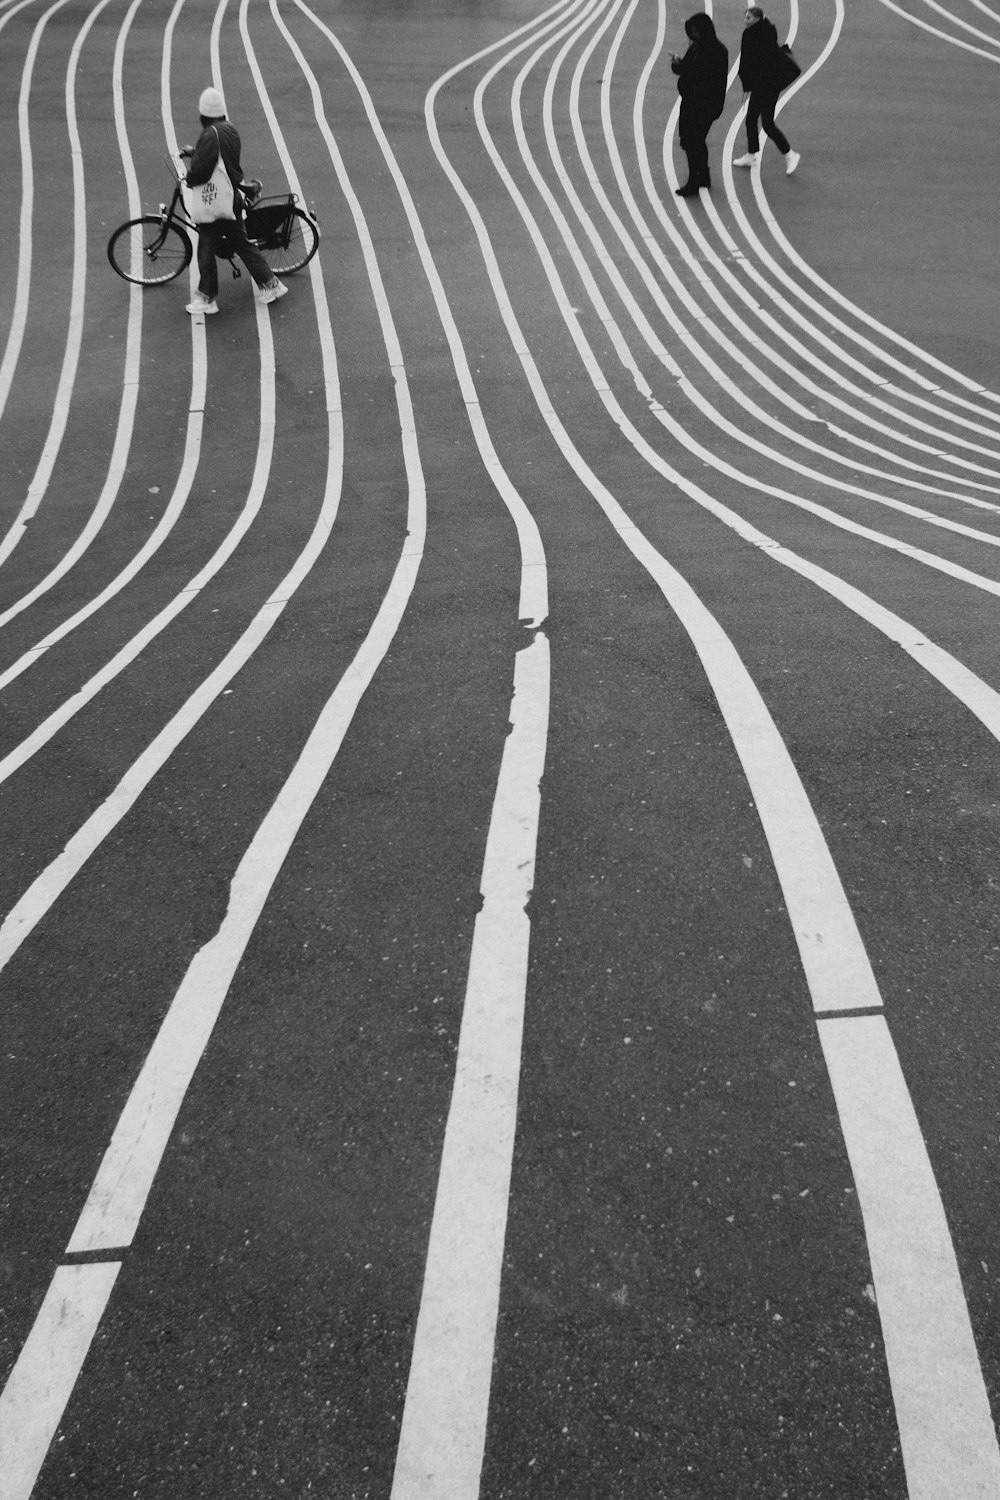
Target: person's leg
[
  {"x": 692, "y": 130},
  {"x": 203, "y": 300},
  {"x": 768, "y": 103},
  {"x": 208, "y": 271},
  {"x": 753, "y": 116},
  {"x": 697, "y": 154},
  {"x": 251, "y": 257}
]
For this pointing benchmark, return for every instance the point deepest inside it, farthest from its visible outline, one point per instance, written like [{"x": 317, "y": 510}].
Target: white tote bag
[{"x": 213, "y": 199}]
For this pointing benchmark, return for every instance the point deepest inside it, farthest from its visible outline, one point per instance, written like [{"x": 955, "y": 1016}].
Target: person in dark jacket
[
  {"x": 702, "y": 75},
  {"x": 762, "y": 78},
  {"x": 220, "y": 138}
]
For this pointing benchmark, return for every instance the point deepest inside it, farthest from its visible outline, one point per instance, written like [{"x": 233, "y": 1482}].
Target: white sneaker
[
  {"x": 202, "y": 304},
  {"x": 791, "y": 162},
  {"x": 272, "y": 293},
  {"x": 748, "y": 160}
]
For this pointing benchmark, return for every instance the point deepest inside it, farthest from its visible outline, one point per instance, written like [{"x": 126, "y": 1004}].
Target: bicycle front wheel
[
  {"x": 303, "y": 242},
  {"x": 149, "y": 251}
]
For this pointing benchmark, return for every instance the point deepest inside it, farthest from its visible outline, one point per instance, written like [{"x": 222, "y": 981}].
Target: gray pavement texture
[{"x": 686, "y": 1308}]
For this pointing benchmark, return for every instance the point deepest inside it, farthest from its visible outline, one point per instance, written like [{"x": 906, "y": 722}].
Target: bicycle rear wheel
[
  {"x": 303, "y": 242},
  {"x": 149, "y": 251}
]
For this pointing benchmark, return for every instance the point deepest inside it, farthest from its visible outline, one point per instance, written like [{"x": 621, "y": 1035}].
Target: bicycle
[{"x": 156, "y": 248}]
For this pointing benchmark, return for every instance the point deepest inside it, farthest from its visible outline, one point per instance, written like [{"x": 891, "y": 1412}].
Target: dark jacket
[
  {"x": 703, "y": 71},
  {"x": 206, "y": 155},
  {"x": 759, "y": 58}
]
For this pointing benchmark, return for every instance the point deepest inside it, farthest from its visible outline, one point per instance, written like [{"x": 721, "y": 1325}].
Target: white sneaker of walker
[
  {"x": 272, "y": 293},
  {"x": 748, "y": 160},
  {"x": 791, "y": 162}
]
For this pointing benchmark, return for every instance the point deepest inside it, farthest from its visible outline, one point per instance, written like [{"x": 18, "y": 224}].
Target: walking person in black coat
[
  {"x": 702, "y": 75},
  {"x": 763, "y": 74}
]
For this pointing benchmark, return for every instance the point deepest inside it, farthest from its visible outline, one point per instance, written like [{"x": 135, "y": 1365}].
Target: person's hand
[{"x": 185, "y": 152}]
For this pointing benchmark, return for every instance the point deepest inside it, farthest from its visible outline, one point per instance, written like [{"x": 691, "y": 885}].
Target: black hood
[{"x": 700, "y": 28}]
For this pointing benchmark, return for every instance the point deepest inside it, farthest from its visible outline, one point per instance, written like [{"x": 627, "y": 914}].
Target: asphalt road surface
[{"x": 499, "y": 766}]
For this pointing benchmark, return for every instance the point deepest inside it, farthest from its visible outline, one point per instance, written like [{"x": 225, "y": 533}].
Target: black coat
[
  {"x": 760, "y": 60},
  {"x": 702, "y": 74},
  {"x": 219, "y": 138}
]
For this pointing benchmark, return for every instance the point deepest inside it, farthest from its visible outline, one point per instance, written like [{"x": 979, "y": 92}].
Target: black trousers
[
  {"x": 227, "y": 236},
  {"x": 692, "y": 132},
  {"x": 761, "y": 107}
]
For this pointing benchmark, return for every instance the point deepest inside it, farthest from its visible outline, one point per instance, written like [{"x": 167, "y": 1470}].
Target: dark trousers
[
  {"x": 761, "y": 107},
  {"x": 227, "y": 237},
  {"x": 692, "y": 132}
]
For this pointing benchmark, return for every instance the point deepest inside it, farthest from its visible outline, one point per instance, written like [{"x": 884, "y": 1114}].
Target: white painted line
[
  {"x": 118, "y": 1194},
  {"x": 126, "y": 415},
  {"x": 947, "y": 1434},
  {"x": 19, "y": 316},
  {"x": 443, "y": 1432},
  {"x": 944, "y": 35},
  {"x": 48, "y": 886},
  {"x": 942, "y": 369},
  {"x": 39, "y": 484},
  {"x": 832, "y": 953},
  {"x": 836, "y": 966},
  {"x": 60, "y": 717},
  {"x": 676, "y": 429},
  {"x": 533, "y": 604},
  {"x": 42, "y": 1380}
]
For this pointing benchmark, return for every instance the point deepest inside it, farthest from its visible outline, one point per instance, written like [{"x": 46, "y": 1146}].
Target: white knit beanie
[{"x": 211, "y": 104}]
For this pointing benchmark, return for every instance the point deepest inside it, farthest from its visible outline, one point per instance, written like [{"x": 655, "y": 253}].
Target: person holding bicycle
[{"x": 215, "y": 174}]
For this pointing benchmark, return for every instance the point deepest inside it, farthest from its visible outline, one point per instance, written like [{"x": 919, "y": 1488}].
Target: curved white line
[
  {"x": 533, "y": 605},
  {"x": 50, "y": 726},
  {"x": 748, "y": 269},
  {"x": 39, "y": 484},
  {"x": 928, "y": 1335},
  {"x": 883, "y": 330},
  {"x": 45, "y": 890},
  {"x": 118, "y": 1195},
  {"x": 15, "y": 337},
  {"x": 675, "y": 428},
  {"x": 126, "y": 413},
  {"x": 964, "y": 25},
  {"x": 655, "y": 292},
  {"x": 444, "y": 1414}
]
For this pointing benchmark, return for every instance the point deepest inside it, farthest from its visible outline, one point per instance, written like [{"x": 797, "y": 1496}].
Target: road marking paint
[
  {"x": 445, "y": 1412},
  {"x": 22, "y": 293},
  {"x": 957, "y": 675},
  {"x": 533, "y": 604},
  {"x": 128, "y": 653},
  {"x": 42, "y": 1380},
  {"x": 751, "y": 275},
  {"x": 834, "y": 960},
  {"x": 117, "y": 1197},
  {"x": 946, "y": 1431},
  {"x": 740, "y": 289},
  {"x": 39, "y": 484},
  {"x": 118, "y": 1194},
  {"x": 126, "y": 415},
  {"x": 882, "y": 329},
  {"x": 676, "y": 429},
  {"x": 443, "y": 1431}
]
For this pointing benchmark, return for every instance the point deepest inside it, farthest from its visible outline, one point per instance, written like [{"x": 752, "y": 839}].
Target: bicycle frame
[
  {"x": 176, "y": 211},
  {"x": 170, "y": 215}
]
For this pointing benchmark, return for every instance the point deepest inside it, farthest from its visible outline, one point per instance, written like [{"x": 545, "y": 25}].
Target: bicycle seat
[{"x": 252, "y": 189}]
